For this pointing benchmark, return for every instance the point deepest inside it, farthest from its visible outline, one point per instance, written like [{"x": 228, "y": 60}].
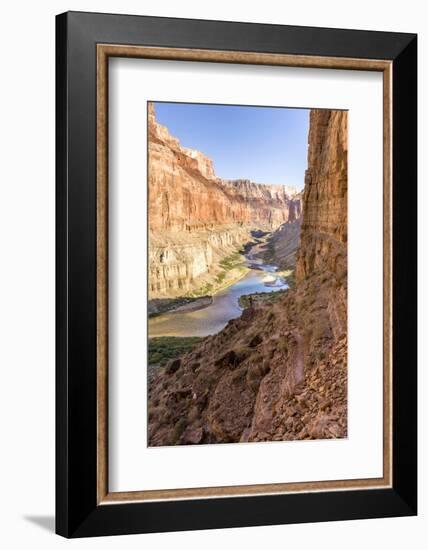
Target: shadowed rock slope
[
  {"x": 283, "y": 245},
  {"x": 279, "y": 372}
]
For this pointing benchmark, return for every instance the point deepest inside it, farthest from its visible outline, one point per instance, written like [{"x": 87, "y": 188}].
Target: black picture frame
[{"x": 77, "y": 511}]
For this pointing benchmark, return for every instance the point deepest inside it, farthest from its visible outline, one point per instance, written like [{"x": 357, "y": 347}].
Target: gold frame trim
[{"x": 104, "y": 51}]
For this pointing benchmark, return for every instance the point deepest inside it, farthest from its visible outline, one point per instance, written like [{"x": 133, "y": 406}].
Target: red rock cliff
[{"x": 324, "y": 226}]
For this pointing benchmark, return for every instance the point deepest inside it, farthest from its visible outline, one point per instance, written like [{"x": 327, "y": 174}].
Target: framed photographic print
[{"x": 236, "y": 274}]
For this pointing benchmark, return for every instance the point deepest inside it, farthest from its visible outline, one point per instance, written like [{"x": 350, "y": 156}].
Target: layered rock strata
[
  {"x": 279, "y": 372},
  {"x": 324, "y": 225}
]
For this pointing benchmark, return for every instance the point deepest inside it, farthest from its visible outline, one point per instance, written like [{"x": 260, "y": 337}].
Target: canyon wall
[
  {"x": 324, "y": 230},
  {"x": 196, "y": 218},
  {"x": 324, "y": 226},
  {"x": 279, "y": 372}
]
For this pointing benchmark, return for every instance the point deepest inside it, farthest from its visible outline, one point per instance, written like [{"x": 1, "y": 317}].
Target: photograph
[{"x": 247, "y": 273}]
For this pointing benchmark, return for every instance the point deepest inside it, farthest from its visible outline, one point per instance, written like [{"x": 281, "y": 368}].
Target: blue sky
[{"x": 262, "y": 144}]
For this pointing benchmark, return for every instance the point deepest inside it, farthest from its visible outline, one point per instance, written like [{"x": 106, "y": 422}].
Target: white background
[
  {"x": 132, "y": 465},
  {"x": 27, "y": 274}
]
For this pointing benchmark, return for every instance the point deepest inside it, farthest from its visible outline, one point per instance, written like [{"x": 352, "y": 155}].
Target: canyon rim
[{"x": 247, "y": 280}]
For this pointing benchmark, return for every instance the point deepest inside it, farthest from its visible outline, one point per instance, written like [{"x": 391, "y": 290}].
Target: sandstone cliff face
[
  {"x": 324, "y": 232},
  {"x": 180, "y": 264},
  {"x": 196, "y": 218},
  {"x": 324, "y": 227},
  {"x": 279, "y": 372}
]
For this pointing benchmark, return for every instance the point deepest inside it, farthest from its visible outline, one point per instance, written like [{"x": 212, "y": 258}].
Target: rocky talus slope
[
  {"x": 279, "y": 372},
  {"x": 196, "y": 218}
]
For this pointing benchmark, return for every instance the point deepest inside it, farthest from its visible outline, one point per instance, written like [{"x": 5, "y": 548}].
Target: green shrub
[{"x": 164, "y": 348}]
